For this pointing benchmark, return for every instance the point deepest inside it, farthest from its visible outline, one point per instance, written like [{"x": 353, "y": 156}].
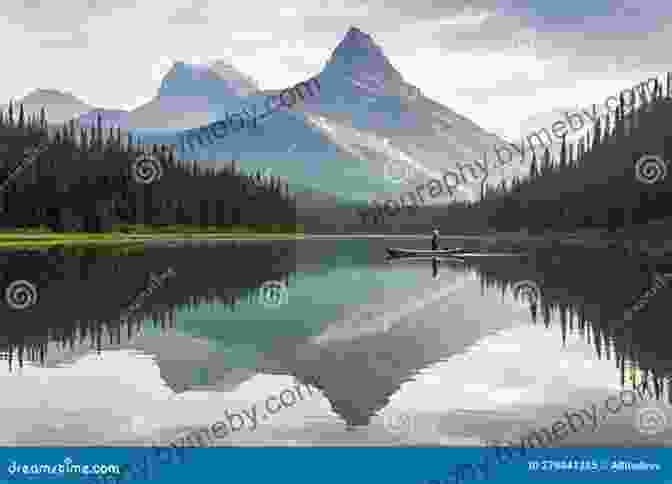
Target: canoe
[
  {"x": 456, "y": 253},
  {"x": 425, "y": 258},
  {"x": 418, "y": 252}
]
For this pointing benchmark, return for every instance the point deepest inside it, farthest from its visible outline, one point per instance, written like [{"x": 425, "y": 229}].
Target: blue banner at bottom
[{"x": 335, "y": 465}]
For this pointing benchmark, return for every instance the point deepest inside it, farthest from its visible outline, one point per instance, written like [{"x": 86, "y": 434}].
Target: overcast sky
[{"x": 495, "y": 61}]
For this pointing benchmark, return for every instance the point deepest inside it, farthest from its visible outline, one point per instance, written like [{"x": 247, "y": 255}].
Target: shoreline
[{"x": 652, "y": 240}]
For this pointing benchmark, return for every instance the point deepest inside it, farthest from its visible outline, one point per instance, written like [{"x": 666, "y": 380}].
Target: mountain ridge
[{"x": 337, "y": 142}]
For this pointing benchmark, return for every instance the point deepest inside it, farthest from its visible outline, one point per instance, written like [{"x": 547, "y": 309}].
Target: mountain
[
  {"x": 336, "y": 142},
  {"x": 108, "y": 117},
  {"x": 239, "y": 83},
  {"x": 189, "y": 96},
  {"x": 59, "y": 106},
  {"x": 339, "y": 140}
]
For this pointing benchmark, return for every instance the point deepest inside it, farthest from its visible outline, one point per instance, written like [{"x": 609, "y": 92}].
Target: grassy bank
[{"x": 133, "y": 233}]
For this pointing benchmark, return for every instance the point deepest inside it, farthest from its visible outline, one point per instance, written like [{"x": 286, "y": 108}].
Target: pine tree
[
  {"x": 563, "y": 151},
  {"x": 579, "y": 153},
  {"x": 21, "y": 122},
  {"x": 587, "y": 145},
  {"x": 533, "y": 167},
  {"x": 598, "y": 134},
  {"x": 547, "y": 166},
  {"x": 84, "y": 143},
  {"x": 99, "y": 132},
  {"x": 73, "y": 135}
]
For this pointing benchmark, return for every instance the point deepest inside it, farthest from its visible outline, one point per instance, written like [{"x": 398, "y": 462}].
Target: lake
[{"x": 138, "y": 345}]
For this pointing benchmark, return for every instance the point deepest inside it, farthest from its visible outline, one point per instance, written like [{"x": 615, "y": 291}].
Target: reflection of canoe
[{"x": 418, "y": 252}]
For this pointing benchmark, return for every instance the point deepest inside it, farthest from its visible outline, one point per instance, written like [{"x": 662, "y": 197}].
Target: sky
[{"x": 498, "y": 62}]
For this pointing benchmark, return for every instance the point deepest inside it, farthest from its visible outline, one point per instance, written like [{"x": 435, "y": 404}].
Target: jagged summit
[
  {"x": 243, "y": 84},
  {"x": 188, "y": 79},
  {"x": 182, "y": 76},
  {"x": 359, "y": 54},
  {"x": 356, "y": 36},
  {"x": 336, "y": 142}
]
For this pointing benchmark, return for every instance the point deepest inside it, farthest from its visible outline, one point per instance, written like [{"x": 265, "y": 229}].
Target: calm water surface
[{"x": 138, "y": 345}]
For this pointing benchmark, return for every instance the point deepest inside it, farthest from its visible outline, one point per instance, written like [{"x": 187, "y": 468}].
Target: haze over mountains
[
  {"x": 60, "y": 106},
  {"x": 336, "y": 141}
]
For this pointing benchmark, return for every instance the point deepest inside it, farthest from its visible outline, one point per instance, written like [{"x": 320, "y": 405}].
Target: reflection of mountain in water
[
  {"x": 83, "y": 293},
  {"x": 81, "y": 299},
  {"x": 359, "y": 376},
  {"x": 590, "y": 298}
]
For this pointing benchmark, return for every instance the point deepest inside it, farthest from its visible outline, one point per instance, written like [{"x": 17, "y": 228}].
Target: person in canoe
[{"x": 435, "y": 239}]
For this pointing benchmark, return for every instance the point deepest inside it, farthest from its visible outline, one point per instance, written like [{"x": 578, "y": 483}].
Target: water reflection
[
  {"x": 592, "y": 292},
  {"x": 331, "y": 314},
  {"x": 83, "y": 294}
]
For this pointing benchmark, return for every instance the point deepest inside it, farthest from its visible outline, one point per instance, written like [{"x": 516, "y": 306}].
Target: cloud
[
  {"x": 72, "y": 40},
  {"x": 45, "y": 16},
  {"x": 475, "y": 47},
  {"x": 192, "y": 15}
]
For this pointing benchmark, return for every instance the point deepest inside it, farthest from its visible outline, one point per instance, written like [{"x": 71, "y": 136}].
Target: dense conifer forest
[
  {"x": 82, "y": 180},
  {"x": 594, "y": 183}
]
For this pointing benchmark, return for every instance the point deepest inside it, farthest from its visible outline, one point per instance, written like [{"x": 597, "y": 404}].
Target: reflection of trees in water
[
  {"x": 359, "y": 377},
  {"x": 590, "y": 298},
  {"x": 84, "y": 293}
]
